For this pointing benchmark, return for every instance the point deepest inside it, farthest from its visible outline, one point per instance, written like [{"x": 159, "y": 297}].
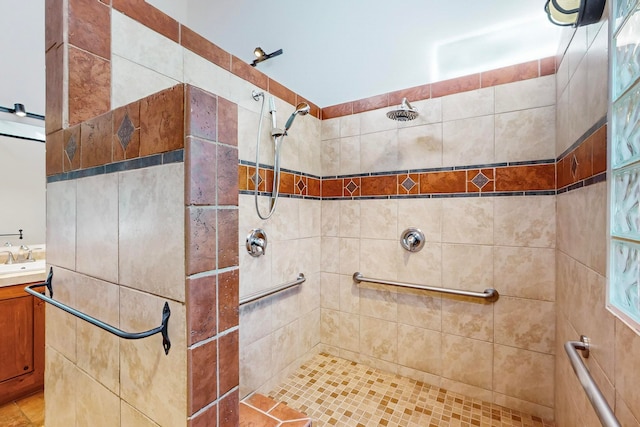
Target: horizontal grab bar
[
  {"x": 162, "y": 329},
  {"x": 490, "y": 295},
  {"x": 262, "y": 294},
  {"x": 599, "y": 403}
]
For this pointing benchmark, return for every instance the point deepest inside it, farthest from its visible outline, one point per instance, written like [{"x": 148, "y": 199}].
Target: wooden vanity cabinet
[{"x": 21, "y": 343}]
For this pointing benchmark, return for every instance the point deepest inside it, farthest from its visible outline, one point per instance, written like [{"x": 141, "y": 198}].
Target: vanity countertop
[{"x": 36, "y": 272}]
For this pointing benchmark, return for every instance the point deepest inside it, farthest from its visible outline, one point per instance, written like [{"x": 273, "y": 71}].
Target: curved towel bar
[
  {"x": 490, "y": 295},
  {"x": 599, "y": 403},
  {"x": 256, "y": 296},
  {"x": 162, "y": 329}
]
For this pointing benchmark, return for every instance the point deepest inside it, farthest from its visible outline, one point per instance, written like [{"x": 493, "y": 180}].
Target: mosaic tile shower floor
[{"x": 338, "y": 392}]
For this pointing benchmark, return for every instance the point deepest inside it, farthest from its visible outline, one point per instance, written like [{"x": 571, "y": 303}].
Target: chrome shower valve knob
[
  {"x": 412, "y": 239},
  {"x": 256, "y": 242}
]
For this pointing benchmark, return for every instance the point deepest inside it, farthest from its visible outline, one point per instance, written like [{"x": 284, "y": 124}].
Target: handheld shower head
[{"x": 303, "y": 109}]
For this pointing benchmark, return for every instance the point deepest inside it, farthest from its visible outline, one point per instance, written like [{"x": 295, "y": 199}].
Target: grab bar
[
  {"x": 490, "y": 295},
  {"x": 262, "y": 294},
  {"x": 599, "y": 403},
  {"x": 20, "y": 231},
  {"x": 162, "y": 329}
]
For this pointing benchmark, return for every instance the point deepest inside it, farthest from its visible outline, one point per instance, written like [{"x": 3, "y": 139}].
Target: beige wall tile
[
  {"x": 97, "y": 227},
  {"x": 330, "y": 327},
  {"x": 381, "y": 304},
  {"x": 330, "y": 217},
  {"x": 330, "y": 261},
  {"x": 284, "y": 267},
  {"x": 203, "y": 74},
  {"x": 349, "y": 256},
  {"x": 285, "y": 307},
  {"x": 330, "y": 129},
  {"x": 425, "y": 214},
  {"x": 379, "y": 151},
  {"x": 467, "y": 361},
  {"x": 132, "y": 81},
  {"x": 563, "y": 139},
  {"x": 310, "y": 293},
  {"x": 525, "y": 323},
  {"x": 330, "y": 157},
  {"x": 256, "y": 271},
  {"x": 129, "y": 416},
  {"x": 61, "y": 224},
  {"x": 628, "y": 367},
  {"x": 151, "y": 206},
  {"x": 420, "y": 147},
  {"x": 60, "y": 391},
  {"x": 541, "y": 411},
  {"x": 597, "y": 74},
  {"x": 349, "y": 331},
  {"x": 463, "y": 105},
  {"x": 350, "y": 155},
  {"x": 467, "y": 318},
  {"x": 468, "y": 220},
  {"x": 61, "y": 333},
  {"x": 141, "y": 45},
  {"x": 466, "y": 389},
  {"x": 421, "y": 309},
  {"x": 379, "y": 339},
  {"x": 99, "y": 355},
  {"x": 255, "y": 320},
  {"x": 285, "y": 222},
  {"x": 525, "y": 272},
  {"x": 423, "y": 267},
  {"x": 525, "y": 221},
  {"x": 256, "y": 365},
  {"x": 468, "y": 141},
  {"x": 523, "y": 374},
  {"x": 309, "y": 212},
  {"x": 285, "y": 346},
  {"x": 419, "y": 349},
  {"x": 525, "y": 135},
  {"x": 624, "y": 414},
  {"x": 379, "y": 258},
  {"x": 102, "y": 409},
  {"x": 147, "y": 375},
  {"x": 350, "y": 125},
  {"x": 475, "y": 273},
  {"x": 579, "y": 121},
  {"x": 309, "y": 331},
  {"x": 330, "y": 291},
  {"x": 430, "y": 111},
  {"x": 349, "y": 295},
  {"x": 378, "y": 219},
  {"x": 349, "y": 211},
  {"x": 525, "y": 94},
  {"x": 375, "y": 121}
]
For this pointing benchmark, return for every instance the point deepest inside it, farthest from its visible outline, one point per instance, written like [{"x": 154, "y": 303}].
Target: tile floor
[
  {"x": 25, "y": 412},
  {"x": 258, "y": 410},
  {"x": 338, "y": 392}
]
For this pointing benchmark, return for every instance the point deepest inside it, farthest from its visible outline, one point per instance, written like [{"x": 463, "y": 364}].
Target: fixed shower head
[
  {"x": 303, "y": 109},
  {"x": 404, "y": 112}
]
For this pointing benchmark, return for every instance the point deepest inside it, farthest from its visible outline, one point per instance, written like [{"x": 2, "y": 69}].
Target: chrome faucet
[{"x": 10, "y": 260}]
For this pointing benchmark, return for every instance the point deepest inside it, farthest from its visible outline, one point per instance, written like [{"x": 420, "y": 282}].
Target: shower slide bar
[
  {"x": 490, "y": 295},
  {"x": 258, "y": 295},
  {"x": 599, "y": 403},
  {"x": 162, "y": 329}
]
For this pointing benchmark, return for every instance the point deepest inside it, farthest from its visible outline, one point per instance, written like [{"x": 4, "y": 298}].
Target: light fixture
[
  {"x": 20, "y": 111},
  {"x": 574, "y": 13},
  {"x": 262, "y": 56}
]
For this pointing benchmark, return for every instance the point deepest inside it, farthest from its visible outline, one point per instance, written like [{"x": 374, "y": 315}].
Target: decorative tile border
[
  {"x": 513, "y": 73},
  {"x": 585, "y": 162},
  {"x": 263, "y": 411}
]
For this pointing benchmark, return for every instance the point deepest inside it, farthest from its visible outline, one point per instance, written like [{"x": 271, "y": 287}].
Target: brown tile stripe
[
  {"x": 263, "y": 411},
  {"x": 587, "y": 160},
  {"x": 520, "y": 178},
  {"x": 513, "y": 73}
]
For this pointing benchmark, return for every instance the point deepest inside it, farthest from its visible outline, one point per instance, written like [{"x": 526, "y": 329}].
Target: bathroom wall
[
  {"x": 151, "y": 163},
  {"x": 581, "y": 256},
  {"x": 22, "y": 191},
  {"x": 476, "y": 173}
]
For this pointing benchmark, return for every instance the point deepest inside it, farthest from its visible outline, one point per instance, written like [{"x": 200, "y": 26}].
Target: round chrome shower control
[
  {"x": 412, "y": 239},
  {"x": 257, "y": 242}
]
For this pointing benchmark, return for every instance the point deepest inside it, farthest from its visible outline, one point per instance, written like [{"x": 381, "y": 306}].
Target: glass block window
[{"x": 624, "y": 164}]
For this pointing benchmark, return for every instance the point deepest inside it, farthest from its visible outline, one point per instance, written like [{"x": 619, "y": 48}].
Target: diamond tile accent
[
  {"x": 408, "y": 184},
  {"x": 71, "y": 148},
  {"x": 574, "y": 166},
  {"x": 300, "y": 185},
  {"x": 351, "y": 187},
  {"x": 253, "y": 179},
  {"x": 125, "y": 131},
  {"x": 480, "y": 180}
]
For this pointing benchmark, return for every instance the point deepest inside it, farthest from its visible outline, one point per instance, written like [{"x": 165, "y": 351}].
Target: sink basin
[{"x": 23, "y": 267}]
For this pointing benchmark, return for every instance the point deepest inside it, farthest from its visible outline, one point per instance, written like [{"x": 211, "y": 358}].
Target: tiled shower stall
[{"x": 151, "y": 134}]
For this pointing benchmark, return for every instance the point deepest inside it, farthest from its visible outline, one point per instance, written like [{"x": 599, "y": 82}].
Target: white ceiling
[
  {"x": 334, "y": 50},
  {"x": 340, "y": 50}
]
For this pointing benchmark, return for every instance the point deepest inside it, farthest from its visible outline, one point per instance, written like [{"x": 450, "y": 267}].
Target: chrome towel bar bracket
[
  {"x": 490, "y": 295},
  {"x": 162, "y": 329}
]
